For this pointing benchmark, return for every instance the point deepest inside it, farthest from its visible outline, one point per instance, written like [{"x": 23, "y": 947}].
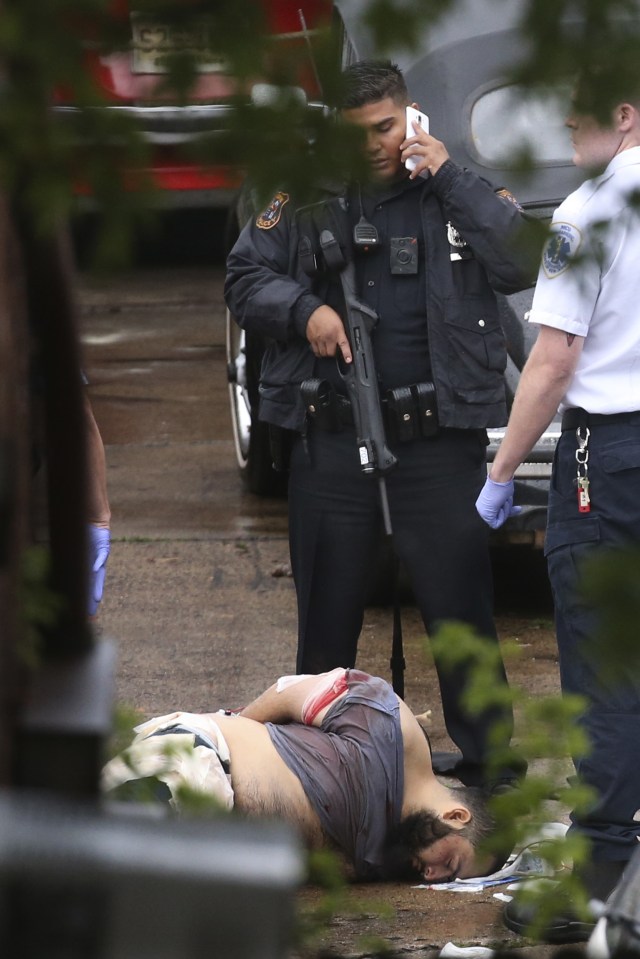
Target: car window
[{"x": 508, "y": 119}]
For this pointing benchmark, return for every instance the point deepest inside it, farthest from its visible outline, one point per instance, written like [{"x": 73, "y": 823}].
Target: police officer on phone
[{"x": 430, "y": 247}]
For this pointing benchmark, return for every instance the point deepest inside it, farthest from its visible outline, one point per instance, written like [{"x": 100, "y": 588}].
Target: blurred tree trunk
[
  {"x": 52, "y": 318},
  {"x": 15, "y": 432}
]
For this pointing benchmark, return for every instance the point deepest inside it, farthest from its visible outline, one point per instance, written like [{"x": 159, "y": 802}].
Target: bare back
[{"x": 418, "y": 768}]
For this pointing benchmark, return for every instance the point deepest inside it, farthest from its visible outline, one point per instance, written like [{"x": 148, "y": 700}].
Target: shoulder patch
[
  {"x": 561, "y": 247},
  {"x": 508, "y": 195},
  {"x": 271, "y": 216}
]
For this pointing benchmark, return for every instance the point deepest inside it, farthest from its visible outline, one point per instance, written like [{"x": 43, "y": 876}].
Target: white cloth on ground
[{"x": 175, "y": 759}]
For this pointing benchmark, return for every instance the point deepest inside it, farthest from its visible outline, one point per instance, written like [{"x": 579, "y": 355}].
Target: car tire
[{"x": 250, "y": 435}]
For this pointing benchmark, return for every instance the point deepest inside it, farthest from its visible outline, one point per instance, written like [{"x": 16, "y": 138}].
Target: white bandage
[{"x": 285, "y": 681}]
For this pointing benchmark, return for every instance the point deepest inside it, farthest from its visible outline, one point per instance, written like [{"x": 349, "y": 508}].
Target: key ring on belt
[{"x": 582, "y": 460}]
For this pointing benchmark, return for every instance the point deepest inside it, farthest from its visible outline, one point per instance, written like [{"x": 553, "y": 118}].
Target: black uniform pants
[
  {"x": 334, "y": 526},
  {"x": 612, "y": 717}
]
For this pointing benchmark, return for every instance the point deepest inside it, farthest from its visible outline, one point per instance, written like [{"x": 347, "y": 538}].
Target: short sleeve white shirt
[{"x": 589, "y": 285}]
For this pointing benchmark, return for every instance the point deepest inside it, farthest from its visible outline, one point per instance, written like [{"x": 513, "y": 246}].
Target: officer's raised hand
[
  {"x": 429, "y": 152},
  {"x": 326, "y": 333}
]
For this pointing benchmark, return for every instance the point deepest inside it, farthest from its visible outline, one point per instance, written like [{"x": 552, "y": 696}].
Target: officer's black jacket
[{"x": 268, "y": 292}]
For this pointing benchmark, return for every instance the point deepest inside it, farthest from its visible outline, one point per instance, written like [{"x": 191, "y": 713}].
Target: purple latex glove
[
  {"x": 99, "y": 546},
  {"x": 495, "y": 503}
]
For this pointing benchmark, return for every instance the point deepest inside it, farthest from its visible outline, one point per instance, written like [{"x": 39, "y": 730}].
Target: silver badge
[
  {"x": 453, "y": 236},
  {"x": 458, "y": 247}
]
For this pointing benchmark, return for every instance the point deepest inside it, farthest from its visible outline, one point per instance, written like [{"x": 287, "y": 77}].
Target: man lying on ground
[{"x": 338, "y": 756}]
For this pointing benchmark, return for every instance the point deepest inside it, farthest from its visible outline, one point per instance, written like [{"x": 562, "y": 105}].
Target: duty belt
[
  {"x": 409, "y": 412},
  {"x": 344, "y": 411},
  {"x": 576, "y": 417}
]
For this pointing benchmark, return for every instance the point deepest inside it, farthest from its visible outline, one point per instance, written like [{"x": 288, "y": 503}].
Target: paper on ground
[
  {"x": 450, "y": 951},
  {"x": 525, "y": 864}
]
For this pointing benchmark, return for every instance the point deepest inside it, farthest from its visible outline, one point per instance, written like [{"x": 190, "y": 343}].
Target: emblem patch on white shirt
[{"x": 560, "y": 249}]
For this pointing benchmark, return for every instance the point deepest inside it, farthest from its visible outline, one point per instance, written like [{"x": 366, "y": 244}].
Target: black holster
[
  {"x": 322, "y": 404},
  {"x": 280, "y": 443}
]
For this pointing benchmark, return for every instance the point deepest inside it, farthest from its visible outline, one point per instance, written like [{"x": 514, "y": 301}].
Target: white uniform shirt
[{"x": 589, "y": 284}]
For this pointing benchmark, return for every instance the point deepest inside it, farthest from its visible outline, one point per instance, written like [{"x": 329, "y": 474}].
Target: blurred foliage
[
  {"x": 45, "y": 49},
  {"x": 152, "y": 787},
  {"x": 593, "y": 39},
  {"x": 124, "y": 719},
  {"x": 400, "y": 24},
  {"x": 325, "y": 869},
  {"x": 39, "y": 605},
  {"x": 326, "y": 872},
  {"x": 45, "y": 156},
  {"x": 548, "y": 729}
]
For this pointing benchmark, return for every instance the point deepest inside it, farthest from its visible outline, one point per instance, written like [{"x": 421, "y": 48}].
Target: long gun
[{"x": 359, "y": 376}]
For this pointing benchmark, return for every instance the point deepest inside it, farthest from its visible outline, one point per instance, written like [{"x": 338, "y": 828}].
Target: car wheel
[{"x": 250, "y": 436}]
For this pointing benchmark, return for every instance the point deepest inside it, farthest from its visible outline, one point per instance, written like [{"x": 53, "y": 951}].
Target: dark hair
[
  {"x": 422, "y": 829},
  {"x": 416, "y": 831},
  {"x": 368, "y": 81},
  {"x": 482, "y": 824},
  {"x": 600, "y": 87}
]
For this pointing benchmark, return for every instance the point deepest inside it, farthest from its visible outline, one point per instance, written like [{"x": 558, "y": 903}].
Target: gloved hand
[
  {"x": 99, "y": 546},
  {"x": 495, "y": 503}
]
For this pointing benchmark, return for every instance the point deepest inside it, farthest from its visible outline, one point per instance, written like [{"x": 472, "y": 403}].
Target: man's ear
[
  {"x": 626, "y": 115},
  {"x": 457, "y": 816}
]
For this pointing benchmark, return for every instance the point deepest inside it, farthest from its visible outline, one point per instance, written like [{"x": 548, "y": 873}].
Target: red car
[{"x": 132, "y": 66}]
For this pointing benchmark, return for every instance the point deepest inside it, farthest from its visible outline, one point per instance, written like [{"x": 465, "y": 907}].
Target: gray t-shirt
[{"x": 351, "y": 769}]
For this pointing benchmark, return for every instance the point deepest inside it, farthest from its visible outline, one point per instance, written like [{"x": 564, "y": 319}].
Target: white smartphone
[{"x": 423, "y": 120}]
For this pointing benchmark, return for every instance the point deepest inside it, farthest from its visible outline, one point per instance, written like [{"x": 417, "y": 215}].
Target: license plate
[{"x": 154, "y": 43}]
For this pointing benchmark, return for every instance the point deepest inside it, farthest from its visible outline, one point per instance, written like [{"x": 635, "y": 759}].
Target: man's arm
[
  {"x": 298, "y": 699},
  {"x": 264, "y": 297},
  {"x": 263, "y": 286},
  {"x": 98, "y": 498},
  {"x": 543, "y": 383},
  {"x": 502, "y": 237},
  {"x": 99, "y": 511},
  {"x": 545, "y": 379}
]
